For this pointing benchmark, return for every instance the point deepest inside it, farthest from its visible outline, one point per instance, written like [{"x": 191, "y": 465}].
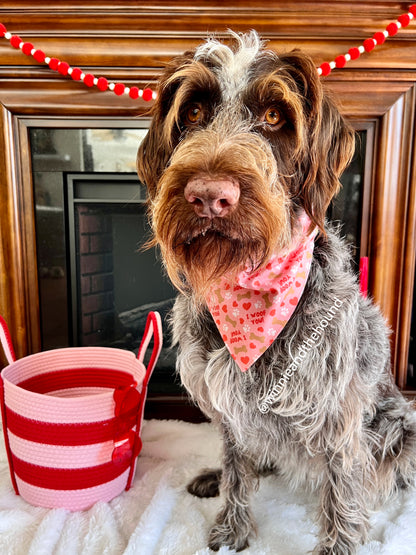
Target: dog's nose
[{"x": 212, "y": 198}]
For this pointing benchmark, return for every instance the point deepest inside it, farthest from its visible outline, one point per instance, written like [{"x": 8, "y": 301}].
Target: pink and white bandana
[{"x": 251, "y": 313}]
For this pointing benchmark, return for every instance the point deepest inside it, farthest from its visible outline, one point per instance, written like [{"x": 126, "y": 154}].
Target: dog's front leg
[
  {"x": 234, "y": 523},
  {"x": 344, "y": 514}
]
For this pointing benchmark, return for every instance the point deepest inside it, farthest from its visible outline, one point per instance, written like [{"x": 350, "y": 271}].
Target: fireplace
[{"x": 97, "y": 282}]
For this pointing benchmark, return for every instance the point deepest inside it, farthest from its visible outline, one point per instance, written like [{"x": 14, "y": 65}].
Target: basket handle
[
  {"x": 7, "y": 345},
  {"x": 153, "y": 328},
  {"x": 6, "y": 341}
]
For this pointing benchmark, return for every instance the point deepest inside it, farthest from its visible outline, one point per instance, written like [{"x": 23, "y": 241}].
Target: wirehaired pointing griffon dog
[{"x": 275, "y": 343}]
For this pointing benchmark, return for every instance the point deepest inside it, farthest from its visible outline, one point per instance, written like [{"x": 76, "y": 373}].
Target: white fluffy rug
[{"x": 157, "y": 516}]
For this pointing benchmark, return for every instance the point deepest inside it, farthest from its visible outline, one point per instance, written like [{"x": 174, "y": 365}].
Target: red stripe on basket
[
  {"x": 6, "y": 437},
  {"x": 75, "y": 378},
  {"x": 69, "y": 479},
  {"x": 70, "y": 434}
]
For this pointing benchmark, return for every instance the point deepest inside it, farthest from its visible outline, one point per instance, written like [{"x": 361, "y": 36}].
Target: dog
[{"x": 276, "y": 344}]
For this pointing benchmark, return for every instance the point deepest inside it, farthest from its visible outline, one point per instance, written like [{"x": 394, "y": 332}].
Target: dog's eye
[
  {"x": 272, "y": 116},
  {"x": 193, "y": 115}
]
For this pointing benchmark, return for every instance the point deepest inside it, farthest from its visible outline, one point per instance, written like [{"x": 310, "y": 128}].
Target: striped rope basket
[{"x": 72, "y": 419}]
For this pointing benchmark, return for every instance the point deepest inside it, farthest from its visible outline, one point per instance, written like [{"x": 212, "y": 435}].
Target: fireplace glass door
[{"x": 97, "y": 281}]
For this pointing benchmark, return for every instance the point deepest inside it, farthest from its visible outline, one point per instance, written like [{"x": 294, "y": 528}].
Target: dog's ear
[
  {"x": 329, "y": 143},
  {"x": 156, "y": 148}
]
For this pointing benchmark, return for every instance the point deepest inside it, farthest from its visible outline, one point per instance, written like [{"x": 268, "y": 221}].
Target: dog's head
[{"x": 241, "y": 140}]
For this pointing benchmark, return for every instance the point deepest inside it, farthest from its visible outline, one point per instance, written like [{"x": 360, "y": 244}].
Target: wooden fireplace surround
[{"x": 131, "y": 42}]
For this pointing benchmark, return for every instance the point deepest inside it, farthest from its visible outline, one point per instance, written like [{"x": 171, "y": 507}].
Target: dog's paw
[
  {"x": 334, "y": 550},
  {"x": 220, "y": 535},
  {"x": 233, "y": 528},
  {"x": 206, "y": 484}
]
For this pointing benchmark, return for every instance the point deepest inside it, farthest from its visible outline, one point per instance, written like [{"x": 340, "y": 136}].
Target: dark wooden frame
[{"x": 128, "y": 43}]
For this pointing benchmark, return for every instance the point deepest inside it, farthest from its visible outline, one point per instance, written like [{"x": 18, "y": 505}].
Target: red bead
[
  {"x": 15, "y": 41},
  {"x": 354, "y": 53},
  {"x": 102, "y": 84},
  {"x": 39, "y": 56},
  {"x": 325, "y": 68},
  {"x": 379, "y": 37},
  {"x": 89, "y": 79},
  {"x": 369, "y": 45},
  {"x": 3, "y": 30},
  {"x": 404, "y": 19},
  {"x": 119, "y": 89},
  {"x": 134, "y": 93},
  {"x": 53, "y": 63},
  {"x": 148, "y": 93},
  {"x": 412, "y": 10},
  {"x": 63, "y": 68},
  {"x": 392, "y": 29},
  {"x": 340, "y": 61},
  {"x": 76, "y": 74},
  {"x": 27, "y": 48}
]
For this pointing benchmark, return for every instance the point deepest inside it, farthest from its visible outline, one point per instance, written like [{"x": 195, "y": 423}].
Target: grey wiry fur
[{"x": 338, "y": 425}]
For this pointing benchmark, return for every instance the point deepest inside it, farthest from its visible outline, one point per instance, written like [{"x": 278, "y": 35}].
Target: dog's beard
[{"x": 198, "y": 251}]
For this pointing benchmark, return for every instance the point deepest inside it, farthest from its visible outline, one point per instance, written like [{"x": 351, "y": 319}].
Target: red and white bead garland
[
  {"x": 75, "y": 72},
  {"x": 369, "y": 44},
  {"x": 147, "y": 94}
]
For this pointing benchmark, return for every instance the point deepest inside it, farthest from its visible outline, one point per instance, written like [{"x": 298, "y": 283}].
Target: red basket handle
[
  {"x": 7, "y": 345},
  {"x": 6, "y": 341},
  {"x": 153, "y": 328}
]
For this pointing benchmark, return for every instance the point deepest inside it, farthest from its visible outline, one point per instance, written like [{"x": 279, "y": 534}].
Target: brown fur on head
[{"x": 246, "y": 116}]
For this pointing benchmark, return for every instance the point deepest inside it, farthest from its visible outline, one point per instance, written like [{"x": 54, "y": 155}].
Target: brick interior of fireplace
[{"x": 95, "y": 243}]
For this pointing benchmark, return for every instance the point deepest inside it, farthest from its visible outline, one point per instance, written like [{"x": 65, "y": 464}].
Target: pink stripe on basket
[
  {"x": 63, "y": 408},
  {"x": 61, "y": 456},
  {"x": 75, "y": 500},
  {"x": 47, "y": 408},
  {"x": 74, "y": 357}
]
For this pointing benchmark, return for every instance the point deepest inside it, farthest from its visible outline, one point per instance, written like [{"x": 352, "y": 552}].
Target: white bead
[
  {"x": 82, "y": 77},
  {"x": 154, "y": 93},
  {"x": 111, "y": 86},
  {"x": 361, "y": 49},
  {"x": 70, "y": 70},
  {"x": 7, "y": 35},
  {"x": 21, "y": 45},
  {"x": 411, "y": 16},
  {"x": 140, "y": 93},
  {"x": 47, "y": 60},
  {"x": 332, "y": 65},
  {"x": 318, "y": 69},
  {"x": 386, "y": 34},
  {"x": 95, "y": 81},
  {"x": 127, "y": 90},
  {"x": 32, "y": 51},
  {"x": 399, "y": 25},
  {"x": 347, "y": 57}
]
